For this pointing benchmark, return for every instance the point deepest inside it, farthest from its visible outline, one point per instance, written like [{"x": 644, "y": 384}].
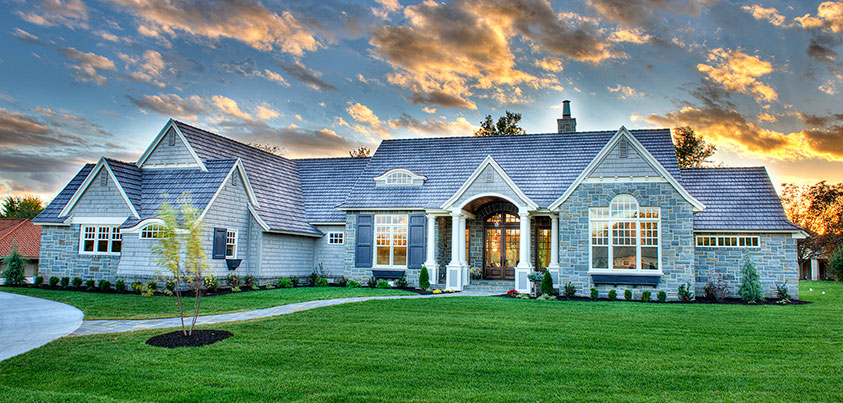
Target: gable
[
  {"x": 623, "y": 163},
  {"x": 101, "y": 199},
  {"x": 170, "y": 150},
  {"x": 489, "y": 179}
]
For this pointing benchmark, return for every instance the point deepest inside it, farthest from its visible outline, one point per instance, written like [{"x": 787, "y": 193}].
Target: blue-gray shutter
[
  {"x": 415, "y": 241},
  {"x": 365, "y": 238},
  {"x": 219, "y": 243}
]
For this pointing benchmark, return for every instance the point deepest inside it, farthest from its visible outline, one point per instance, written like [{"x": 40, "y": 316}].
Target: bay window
[
  {"x": 100, "y": 240},
  {"x": 624, "y": 236},
  {"x": 391, "y": 240}
]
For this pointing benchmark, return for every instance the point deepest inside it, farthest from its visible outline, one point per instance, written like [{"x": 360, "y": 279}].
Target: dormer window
[{"x": 399, "y": 177}]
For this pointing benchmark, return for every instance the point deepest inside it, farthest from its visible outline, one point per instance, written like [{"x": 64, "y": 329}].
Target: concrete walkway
[
  {"x": 27, "y": 323},
  {"x": 115, "y": 326}
]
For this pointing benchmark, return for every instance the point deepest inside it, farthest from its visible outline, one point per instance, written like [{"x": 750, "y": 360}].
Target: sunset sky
[{"x": 761, "y": 81}]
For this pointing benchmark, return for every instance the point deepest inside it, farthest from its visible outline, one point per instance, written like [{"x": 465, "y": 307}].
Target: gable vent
[
  {"x": 623, "y": 149},
  {"x": 171, "y": 137},
  {"x": 103, "y": 178}
]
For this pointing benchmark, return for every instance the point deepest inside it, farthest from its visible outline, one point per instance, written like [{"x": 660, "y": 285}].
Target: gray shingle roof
[
  {"x": 325, "y": 183},
  {"x": 735, "y": 199},
  {"x": 274, "y": 179},
  {"x": 50, "y": 215},
  {"x": 542, "y": 165},
  {"x": 129, "y": 176}
]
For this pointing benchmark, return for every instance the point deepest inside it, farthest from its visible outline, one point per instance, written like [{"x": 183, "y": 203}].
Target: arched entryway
[{"x": 501, "y": 242}]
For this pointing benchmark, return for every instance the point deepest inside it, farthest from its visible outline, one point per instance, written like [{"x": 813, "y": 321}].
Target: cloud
[
  {"x": 242, "y": 20},
  {"x": 26, "y": 37},
  {"x": 297, "y": 141},
  {"x": 429, "y": 110},
  {"x": 171, "y": 105},
  {"x": 88, "y": 65},
  {"x": 248, "y": 68},
  {"x": 831, "y": 12},
  {"x": 273, "y": 76},
  {"x": 625, "y": 91},
  {"x": 306, "y": 76},
  {"x": 50, "y": 13},
  {"x": 446, "y": 51},
  {"x": 17, "y": 129},
  {"x": 630, "y": 35},
  {"x": 432, "y": 126},
  {"x": 770, "y": 15},
  {"x": 107, "y": 36},
  {"x": 644, "y": 13},
  {"x": 150, "y": 69},
  {"x": 549, "y": 64},
  {"x": 738, "y": 71},
  {"x": 264, "y": 112},
  {"x": 363, "y": 114},
  {"x": 386, "y": 7},
  {"x": 229, "y": 107}
]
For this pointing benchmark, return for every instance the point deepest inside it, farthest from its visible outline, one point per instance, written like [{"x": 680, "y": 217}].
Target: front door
[{"x": 501, "y": 242}]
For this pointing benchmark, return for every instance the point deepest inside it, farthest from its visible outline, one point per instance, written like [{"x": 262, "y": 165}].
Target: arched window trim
[
  {"x": 623, "y": 225},
  {"x": 152, "y": 231},
  {"x": 399, "y": 177}
]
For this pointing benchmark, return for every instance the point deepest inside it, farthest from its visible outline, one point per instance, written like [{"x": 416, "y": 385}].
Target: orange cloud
[
  {"x": 770, "y": 15},
  {"x": 738, "y": 71}
]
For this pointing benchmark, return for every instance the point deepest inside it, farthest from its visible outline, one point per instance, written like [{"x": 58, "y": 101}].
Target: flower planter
[{"x": 233, "y": 264}]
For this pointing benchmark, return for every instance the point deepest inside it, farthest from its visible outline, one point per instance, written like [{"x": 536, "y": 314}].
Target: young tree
[
  {"x": 424, "y": 278},
  {"x": 360, "y": 152},
  {"x": 179, "y": 251},
  {"x": 691, "y": 149},
  {"x": 15, "y": 265},
  {"x": 506, "y": 125},
  {"x": 22, "y": 207},
  {"x": 835, "y": 264},
  {"x": 547, "y": 283},
  {"x": 750, "y": 290}
]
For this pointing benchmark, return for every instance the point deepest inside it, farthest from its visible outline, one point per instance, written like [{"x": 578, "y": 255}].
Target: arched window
[
  {"x": 152, "y": 231},
  {"x": 399, "y": 177},
  {"x": 624, "y": 236}
]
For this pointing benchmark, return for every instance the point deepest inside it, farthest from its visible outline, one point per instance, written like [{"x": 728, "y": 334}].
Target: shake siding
[
  {"x": 230, "y": 210},
  {"x": 332, "y": 257},
  {"x": 101, "y": 201},
  {"x": 633, "y": 165},
  {"x": 164, "y": 153},
  {"x": 482, "y": 185},
  {"x": 286, "y": 255}
]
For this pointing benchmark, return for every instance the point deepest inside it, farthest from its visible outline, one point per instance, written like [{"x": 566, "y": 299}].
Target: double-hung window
[
  {"x": 391, "y": 240},
  {"x": 231, "y": 244},
  {"x": 100, "y": 240},
  {"x": 625, "y": 236}
]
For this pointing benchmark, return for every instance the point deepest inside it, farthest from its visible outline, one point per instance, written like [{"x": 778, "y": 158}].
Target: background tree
[
  {"x": 691, "y": 149},
  {"x": 15, "y": 265},
  {"x": 277, "y": 150},
  {"x": 818, "y": 209},
  {"x": 835, "y": 263},
  {"x": 179, "y": 251},
  {"x": 360, "y": 152},
  {"x": 22, "y": 207},
  {"x": 506, "y": 125}
]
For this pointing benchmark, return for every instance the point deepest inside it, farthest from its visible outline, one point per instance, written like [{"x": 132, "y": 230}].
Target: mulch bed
[
  {"x": 196, "y": 339},
  {"x": 727, "y": 301}
]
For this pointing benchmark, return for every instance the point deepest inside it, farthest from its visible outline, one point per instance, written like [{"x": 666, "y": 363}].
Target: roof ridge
[
  {"x": 116, "y": 160},
  {"x": 230, "y": 139},
  {"x": 328, "y": 158},
  {"x": 13, "y": 229},
  {"x": 526, "y": 134},
  {"x": 723, "y": 168}
]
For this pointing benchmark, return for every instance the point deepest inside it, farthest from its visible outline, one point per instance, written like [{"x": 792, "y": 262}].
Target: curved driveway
[{"x": 27, "y": 323}]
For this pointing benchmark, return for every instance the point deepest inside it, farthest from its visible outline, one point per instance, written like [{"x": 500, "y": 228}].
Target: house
[
  {"x": 602, "y": 209},
  {"x": 26, "y": 237}
]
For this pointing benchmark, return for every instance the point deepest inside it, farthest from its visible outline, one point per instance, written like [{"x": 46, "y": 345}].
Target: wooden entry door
[{"x": 502, "y": 237}]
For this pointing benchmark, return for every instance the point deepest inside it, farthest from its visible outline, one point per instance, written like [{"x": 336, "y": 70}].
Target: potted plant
[
  {"x": 475, "y": 273},
  {"x": 536, "y": 278}
]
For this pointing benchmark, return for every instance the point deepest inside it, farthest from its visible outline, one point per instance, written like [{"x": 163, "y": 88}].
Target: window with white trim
[
  {"x": 100, "y": 240},
  {"x": 152, "y": 231},
  {"x": 231, "y": 244},
  {"x": 391, "y": 240},
  {"x": 625, "y": 236},
  {"x": 335, "y": 238},
  {"x": 399, "y": 178},
  {"x": 727, "y": 241}
]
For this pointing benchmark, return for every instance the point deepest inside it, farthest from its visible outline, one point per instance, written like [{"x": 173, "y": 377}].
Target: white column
[
  {"x": 430, "y": 262},
  {"x": 815, "y": 269},
  {"x": 453, "y": 276},
  {"x": 553, "y": 266},
  {"x": 463, "y": 262},
  {"x": 523, "y": 267}
]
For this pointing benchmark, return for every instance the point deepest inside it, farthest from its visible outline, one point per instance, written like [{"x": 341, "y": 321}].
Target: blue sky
[{"x": 82, "y": 79}]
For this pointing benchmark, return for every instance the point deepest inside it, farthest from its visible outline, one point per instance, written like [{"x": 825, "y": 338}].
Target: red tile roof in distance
[{"x": 20, "y": 232}]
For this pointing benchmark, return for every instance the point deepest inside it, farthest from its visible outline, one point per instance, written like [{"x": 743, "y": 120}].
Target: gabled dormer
[{"x": 170, "y": 150}]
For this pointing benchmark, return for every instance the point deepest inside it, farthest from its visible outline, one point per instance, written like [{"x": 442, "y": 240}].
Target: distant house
[
  {"x": 27, "y": 237},
  {"x": 602, "y": 209}
]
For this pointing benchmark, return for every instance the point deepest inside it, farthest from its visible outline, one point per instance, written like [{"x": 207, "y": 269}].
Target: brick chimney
[{"x": 567, "y": 124}]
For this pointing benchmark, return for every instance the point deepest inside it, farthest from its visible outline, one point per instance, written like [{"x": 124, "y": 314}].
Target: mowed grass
[
  {"x": 466, "y": 349},
  {"x": 135, "y": 306}
]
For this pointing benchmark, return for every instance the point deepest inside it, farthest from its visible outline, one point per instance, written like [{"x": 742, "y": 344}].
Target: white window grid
[
  {"x": 728, "y": 241},
  {"x": 231, "y": 244},
  {"x": 335, "y": 238},
  {"x": 399, "y": 178},
  {"x": 630, "y": 225},
  {"x": 152, "y": 231},
  {"x": 391, "y": 232},
  {"x": 100, "y": 240}
]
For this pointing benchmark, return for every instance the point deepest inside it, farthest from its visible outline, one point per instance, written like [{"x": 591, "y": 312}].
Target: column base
[
  {"x": 555, "y": 271},
  {"x": 522, "y": 283},
  {"x": 454, "y": 276},
  {"x": 432, "y": 272}
]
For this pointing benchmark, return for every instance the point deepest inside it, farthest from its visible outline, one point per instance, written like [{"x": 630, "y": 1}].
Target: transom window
[
  {"x": 152, "y": 231},
  {"x": 624, "y": 236},
  {"x": 100, "y": 240},
  {"x": 391, "y": 240},
  {"x": 727, "y": 241},
  {"x": 231, "y": 244},
  {"x": 503, "y": 218},
  {"x": 335, "y": 238}
]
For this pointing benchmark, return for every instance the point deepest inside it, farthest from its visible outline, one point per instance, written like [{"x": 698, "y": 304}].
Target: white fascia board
[
  {"x": 258, "y": 218},
  {"x": 88, "y": 180},
  {"x": 97, "y": 220},
  {"x": 409, "y": 172},
  {"x": 624, "y": 133},
  {"x": 238, "y": 167},
  {"x": 160, "y": 136},
  {"x": 488, "y": 161},
  {"x": 137, "y": 227},
  {"x": 381, "y": 209}
]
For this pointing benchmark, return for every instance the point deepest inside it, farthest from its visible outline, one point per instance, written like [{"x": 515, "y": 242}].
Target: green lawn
[
  {"x": 135, "y": 306},
  {"x": 467, "y": 349}
]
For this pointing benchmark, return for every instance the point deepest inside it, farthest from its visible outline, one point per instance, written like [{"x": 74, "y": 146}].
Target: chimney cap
[{"x": 566, "y": 109}]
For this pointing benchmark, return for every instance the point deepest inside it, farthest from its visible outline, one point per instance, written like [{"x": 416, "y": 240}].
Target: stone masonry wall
[{"x": 60, "y": 256}]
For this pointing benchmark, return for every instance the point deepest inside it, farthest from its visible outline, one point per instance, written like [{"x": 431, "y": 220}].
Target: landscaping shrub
[
  {"x": 424, "y": 278},
  {"x": 645, "y": 296},
  {"x": 269, "y": 286},
  {"x": 613, "y": 295},
  {"x": 547, "y": 283},
  {"x": 372, "y": 282},
  {"x": 353, "y": 284},
  {"x": 594, "y": 293},
  {"x": 284, "y": 283},
  {"x": 716, "y": 290},
  {"x": 318, "y": 272},
  {"x": 170, "y": 285},
  {"x": 235, "y": 289},
  {"x": 627, "y": 295},
  {"x": 90, "y": 285},
  {"x": 523, "y": 296},
  {"x": 570, "y": 290},
  {"x": 684, "y": 293},
  {"x": 342, "y": 281},
  {"x": 65, "y": 281},
  {"x": 137, "y": 285},
  {"x": 545, "y": 297},
  {"x": 15, "y": 265},
  {"x": 401, "y": 282},
  {"x": 120, "y": 286},
  {"x": 152, "y": 286},
  {"x": 232, "y": 280},
  {"x": 320, "y": 282},
  {"x": 835, "y": 263},
  {"x": 53, "y": 280},
  {"x": 382, "y": 284},
  {"x": 535, "y": 278},
  {"x": 750, "y": 286},
  {"x": 512, "y": 293},
  {"x": 212, "y": 283},
  {"x": 781, "y": 293},
  {"x": 294, "y": 280},
  {"x": 248, "y": 281},
  {"x": 77, "y": 282},
  {"x": 39, "y": 281},
  {"x": 104, "y": 285},
  {"x": 661, "y": 296}
]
